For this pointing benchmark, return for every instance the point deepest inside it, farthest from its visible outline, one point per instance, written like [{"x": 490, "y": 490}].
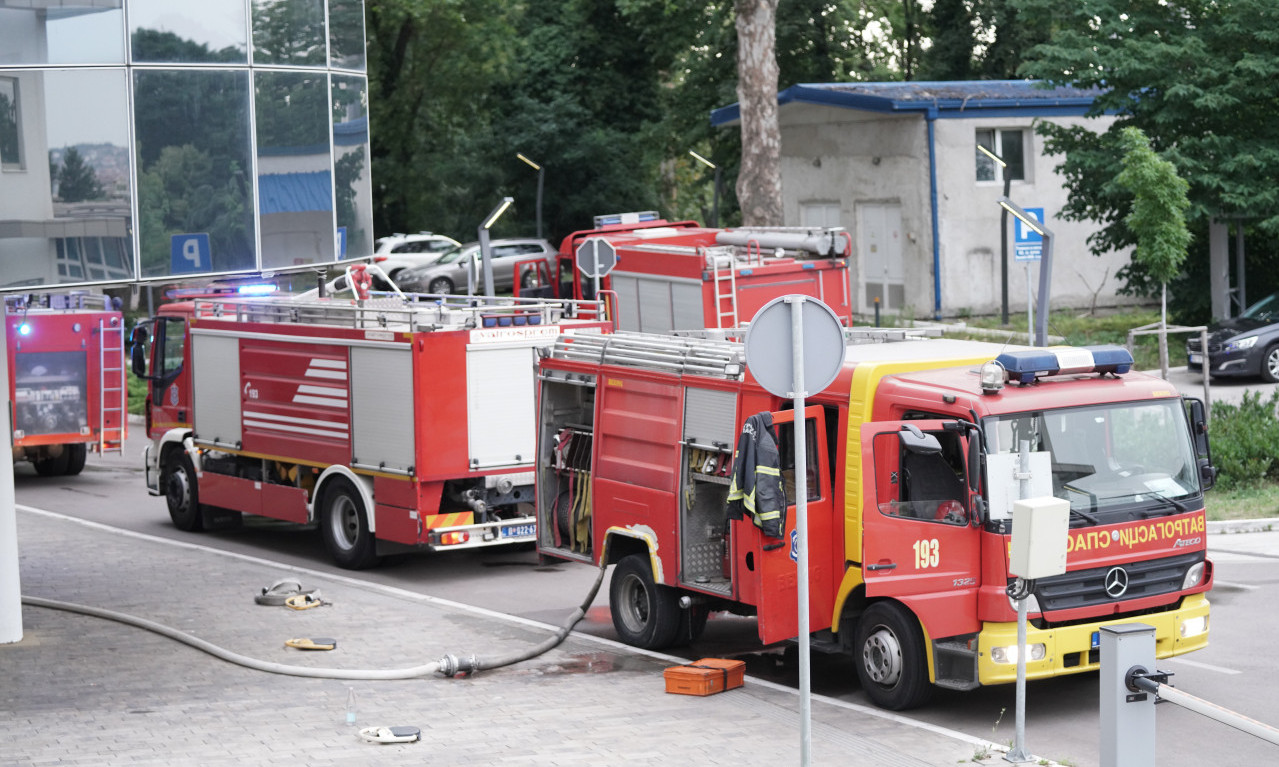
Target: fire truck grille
[{"x": 1085, "y": 588}]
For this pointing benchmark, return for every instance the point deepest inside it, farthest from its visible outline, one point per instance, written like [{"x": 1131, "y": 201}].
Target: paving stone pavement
[{"x": 80, "y": 690}]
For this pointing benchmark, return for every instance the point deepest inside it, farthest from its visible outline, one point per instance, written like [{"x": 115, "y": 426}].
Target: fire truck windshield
[{"x": 1112, "y": 462}]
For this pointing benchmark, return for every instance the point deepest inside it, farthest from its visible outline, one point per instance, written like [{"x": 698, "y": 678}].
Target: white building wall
[{"x": 852, "y": 158}]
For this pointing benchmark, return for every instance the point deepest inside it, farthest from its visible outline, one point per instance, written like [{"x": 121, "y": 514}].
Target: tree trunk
[{"x": 759, "y": 182}]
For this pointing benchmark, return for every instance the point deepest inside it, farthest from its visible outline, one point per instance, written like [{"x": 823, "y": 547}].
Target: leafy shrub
[{"x": 1245, "y": 441}]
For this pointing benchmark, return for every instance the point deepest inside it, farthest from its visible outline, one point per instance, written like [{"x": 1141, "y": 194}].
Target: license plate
[
  {"x": 1196, "y": 359},
  {"x": 519, "y": 531},
  {"x": 1096, "y": 639}
]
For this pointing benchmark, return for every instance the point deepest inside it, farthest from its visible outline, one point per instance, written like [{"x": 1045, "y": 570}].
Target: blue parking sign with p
[
  {"x": 189, "y": 253},
  {"x": 1028, "y": 245}
]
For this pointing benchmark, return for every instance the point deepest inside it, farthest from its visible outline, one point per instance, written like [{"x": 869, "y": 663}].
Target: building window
[
  {"x": 1010, "y": 148},
  {"x": 825, "y": 214},
  {"x": 10, "y": 125}
]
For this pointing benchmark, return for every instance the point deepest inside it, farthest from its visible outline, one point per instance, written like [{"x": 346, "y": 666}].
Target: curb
[{"x": 1243, "y": 526}]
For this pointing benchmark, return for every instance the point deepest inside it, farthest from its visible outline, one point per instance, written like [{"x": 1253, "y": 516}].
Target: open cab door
[
  {"x": 768, "y": 573},
  {"x": 921, "y": 539}
]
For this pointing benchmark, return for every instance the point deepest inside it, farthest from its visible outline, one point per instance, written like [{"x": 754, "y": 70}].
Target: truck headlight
[
  {"x": 1192, "y": 627},
  {"x": 1032, "y": 604},
  {"x": 1193, "y": 576},
  {"x": 1242, "y": 343},
  {"x": 1008, "y": 654}
]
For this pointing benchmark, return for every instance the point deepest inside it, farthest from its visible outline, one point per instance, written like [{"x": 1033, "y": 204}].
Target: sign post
[
  {"x": 596, "y": 257},
  {"x": 795, "y": 341},
  {"x": 1034, "y": 242}
]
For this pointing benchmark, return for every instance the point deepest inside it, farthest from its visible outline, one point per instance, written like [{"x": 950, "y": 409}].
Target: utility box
[{"x": 1041, "y": 528}]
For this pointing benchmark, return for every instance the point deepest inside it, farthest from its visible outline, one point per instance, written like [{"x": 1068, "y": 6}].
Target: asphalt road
[{"x": 1062, "y": 715}]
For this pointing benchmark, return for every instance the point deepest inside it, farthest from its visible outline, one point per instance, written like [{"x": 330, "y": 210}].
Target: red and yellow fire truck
[
  {"x": 66, "y": 379},
  {"x": 394, "y": 422},
  {"x": 913, "y": 466},
  {"x": 683, "y": 276}
]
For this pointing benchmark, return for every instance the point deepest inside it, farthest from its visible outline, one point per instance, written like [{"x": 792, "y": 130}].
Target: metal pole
[
  {"x": 1018, "y": 752},
  {"x": 1045, "y": 288},
  {"x": 715, "y": 207},
  {"x": 541, "y": 172},
  {"x": 1127, "y": 720},
  {"x": 10, "y": 582},
  {"x": 801, "y": 524},
  {"x": 1003, "y": 258},
  {"x": 1203, "y": 346},
  {"x": 1211, "y": 710},
  {"x": 1030, "y": 310}
]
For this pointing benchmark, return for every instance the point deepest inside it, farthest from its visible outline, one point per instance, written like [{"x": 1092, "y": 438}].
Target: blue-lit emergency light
[
  {"x": 24, "y": 329},
  {"x": 259, "y": 289},
  {"x": 1024, "y": 367},
  {"x": 625, "y": 218}
]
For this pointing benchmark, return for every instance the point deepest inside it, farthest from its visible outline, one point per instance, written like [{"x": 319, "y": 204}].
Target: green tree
[
  {"x": 1157, "y": 219},
  {"x": 77, "y": 180},
  {"x": 1199, "y": 77}
]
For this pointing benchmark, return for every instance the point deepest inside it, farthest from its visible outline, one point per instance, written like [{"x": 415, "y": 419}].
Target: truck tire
[
  {"x": 76, "y": 455},
  {"x": 344, "y": 524},
  {"x": 53, "y": 466},
  {"x": 177, "y": 477},
  {"x": 645, "y": 614},
  {"x": 890, "y": 658}
]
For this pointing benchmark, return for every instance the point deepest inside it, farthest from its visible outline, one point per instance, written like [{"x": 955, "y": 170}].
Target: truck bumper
[
  {"x": 1075, "y": 649},
  {"x": 500, "y": 533}
]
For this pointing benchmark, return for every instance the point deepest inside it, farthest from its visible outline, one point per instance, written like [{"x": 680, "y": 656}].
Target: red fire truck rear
[
  {"x": 914, "y": 463},
  {"x": 682, "y": 276},
  {"x": 66, "y": 379},
  {"x": 395, "y": 423}
]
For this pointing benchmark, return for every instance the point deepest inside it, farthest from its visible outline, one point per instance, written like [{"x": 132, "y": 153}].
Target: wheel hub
[
  {"x": 177, "y": 489},
  {"x": 882, "y": 657}
]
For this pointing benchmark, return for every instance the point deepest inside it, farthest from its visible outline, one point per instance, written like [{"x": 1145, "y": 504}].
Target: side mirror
[
  {"x": 915, "y": 441},
  {"x": 1203, "y": 451}
]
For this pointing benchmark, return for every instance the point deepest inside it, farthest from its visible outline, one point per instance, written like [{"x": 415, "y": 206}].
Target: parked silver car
[
  {"x": 404, "y": 251},
  {"x": 448, "y": 274}
]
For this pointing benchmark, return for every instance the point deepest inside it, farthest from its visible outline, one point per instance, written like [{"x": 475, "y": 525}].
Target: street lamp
[
  {"x": 1045, "y": 266},
  {"x": 1003, "y": 239},
  {"x": 540, "y": 173},
  {"x": 714, "y": 167},
  {"x": 486, "y": 256}
]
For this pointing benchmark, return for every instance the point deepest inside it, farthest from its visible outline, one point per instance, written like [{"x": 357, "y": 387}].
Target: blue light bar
[
  {"x": 1025, "y": 366},
  {"x": 24, "y": 329},
  {"x": 613, "y": 219},
  {"x": 259, "y": 289}
]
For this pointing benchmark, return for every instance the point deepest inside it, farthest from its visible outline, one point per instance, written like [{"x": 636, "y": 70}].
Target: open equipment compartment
[
  {"x": 566, "y": 425},
  {"x": 708, "y": 431}
]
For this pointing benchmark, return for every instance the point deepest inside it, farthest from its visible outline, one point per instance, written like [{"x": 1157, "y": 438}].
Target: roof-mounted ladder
[{"x": 671, "y": 354}]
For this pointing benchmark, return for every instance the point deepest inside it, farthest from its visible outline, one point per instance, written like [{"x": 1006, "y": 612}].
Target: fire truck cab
[{"x": 913, "y": 466}]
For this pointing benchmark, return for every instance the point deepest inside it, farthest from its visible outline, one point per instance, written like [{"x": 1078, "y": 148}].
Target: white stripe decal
[
  {"x": 325, "y": 401},
  {"x": 329, "y": 374},
  {"x": 295, "y": 429},
  {"x": 326, "y": 391},
  {"x": 294, "y": 419},
  {"x": 338, "y": 364}
]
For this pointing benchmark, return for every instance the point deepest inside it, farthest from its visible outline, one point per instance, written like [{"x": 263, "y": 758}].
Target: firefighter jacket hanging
[{"x": 756, "y": 487}]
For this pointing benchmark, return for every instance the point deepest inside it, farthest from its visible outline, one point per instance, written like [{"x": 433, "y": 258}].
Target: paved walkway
[{"x": 79, "y": 690}]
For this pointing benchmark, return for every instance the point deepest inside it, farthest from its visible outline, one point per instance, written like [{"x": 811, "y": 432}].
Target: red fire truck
[
  {"x": 66, "y": 379},
  {"x": 913, "y": 469},
  {"x": 394, "y": 422},
  {"x": 682, "y": 276}
]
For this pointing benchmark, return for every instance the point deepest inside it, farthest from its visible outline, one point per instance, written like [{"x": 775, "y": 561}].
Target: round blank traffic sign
[{"x": 770, "y": 345}]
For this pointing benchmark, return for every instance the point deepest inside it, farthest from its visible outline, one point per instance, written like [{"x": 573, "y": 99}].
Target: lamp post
[
  {"x": 541, "y": 172},
  {"x": 1045, "y": 266},
  {"x": 1003, "y": 239},
  {"x": 486, "y": 256},
  {"x": 715, "y": 209}
]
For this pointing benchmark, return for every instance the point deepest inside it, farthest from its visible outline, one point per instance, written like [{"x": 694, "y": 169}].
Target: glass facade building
[{"x": 161, "y": 139}]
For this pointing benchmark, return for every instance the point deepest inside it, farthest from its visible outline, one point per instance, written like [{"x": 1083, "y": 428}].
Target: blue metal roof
[
  {"x": 956, "y": 99},
  {"x": 294, "y": 192}
]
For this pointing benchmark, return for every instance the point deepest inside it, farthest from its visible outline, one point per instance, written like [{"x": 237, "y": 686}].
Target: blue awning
[{"x": 295, "y": 192}]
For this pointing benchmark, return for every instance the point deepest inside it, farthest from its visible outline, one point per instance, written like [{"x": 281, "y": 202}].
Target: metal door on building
[{"x": 880, "y": 249}]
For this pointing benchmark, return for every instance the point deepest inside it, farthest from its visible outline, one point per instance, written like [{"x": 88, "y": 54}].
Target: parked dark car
[
  {"x": 448, "y": 274},
  {"x": 1247, "y": 345}
]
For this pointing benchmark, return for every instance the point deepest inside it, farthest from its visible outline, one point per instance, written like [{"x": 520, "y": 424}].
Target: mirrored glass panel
[
  {"x": 346, "y": 34},
  {"x": 295, "y": 186},
  {"x": 195, "y": 191},
  {"x": 64, "y": 177},
  {"x": 65, "y": 32},
  {"x": 288, "y": 32},
  {"x": 352, "y": 184},
  {"x": 165, "y": 31}
]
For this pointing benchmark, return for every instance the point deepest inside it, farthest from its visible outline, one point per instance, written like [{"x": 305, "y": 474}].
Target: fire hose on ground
[{"x": 450, "y": 665}]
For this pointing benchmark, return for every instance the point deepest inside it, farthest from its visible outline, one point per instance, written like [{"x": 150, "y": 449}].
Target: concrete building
[
  {"x": 143, "y": 139},
  {"x": 898, "y": 164}
]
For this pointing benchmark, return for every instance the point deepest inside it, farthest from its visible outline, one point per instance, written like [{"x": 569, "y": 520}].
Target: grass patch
[
  {"x": 1243, "y": 503},
  {"x": 1083, "y": 329}
]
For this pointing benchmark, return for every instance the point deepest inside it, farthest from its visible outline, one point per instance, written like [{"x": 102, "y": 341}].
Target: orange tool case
[{"x": 705, "y": 677}]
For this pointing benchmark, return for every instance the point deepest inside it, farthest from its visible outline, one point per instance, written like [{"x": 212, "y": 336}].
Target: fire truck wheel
[
  {"x": 891, "y": 660},
  {"x": 181, "y": 493},
  {"x": 55, "y": 466},
  {"x": 645, "y": 613},
  {"x": 76, "y": 455},
  {"x": 345, "y": 526}
]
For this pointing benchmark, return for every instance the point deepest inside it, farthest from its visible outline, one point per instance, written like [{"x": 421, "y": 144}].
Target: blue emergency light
[
  {"x": 258, "y": 289},
  {"x": 24, "y": 329},
  {"x": 1025, "y": 366},
  {"x": 614, "y": 219}
]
